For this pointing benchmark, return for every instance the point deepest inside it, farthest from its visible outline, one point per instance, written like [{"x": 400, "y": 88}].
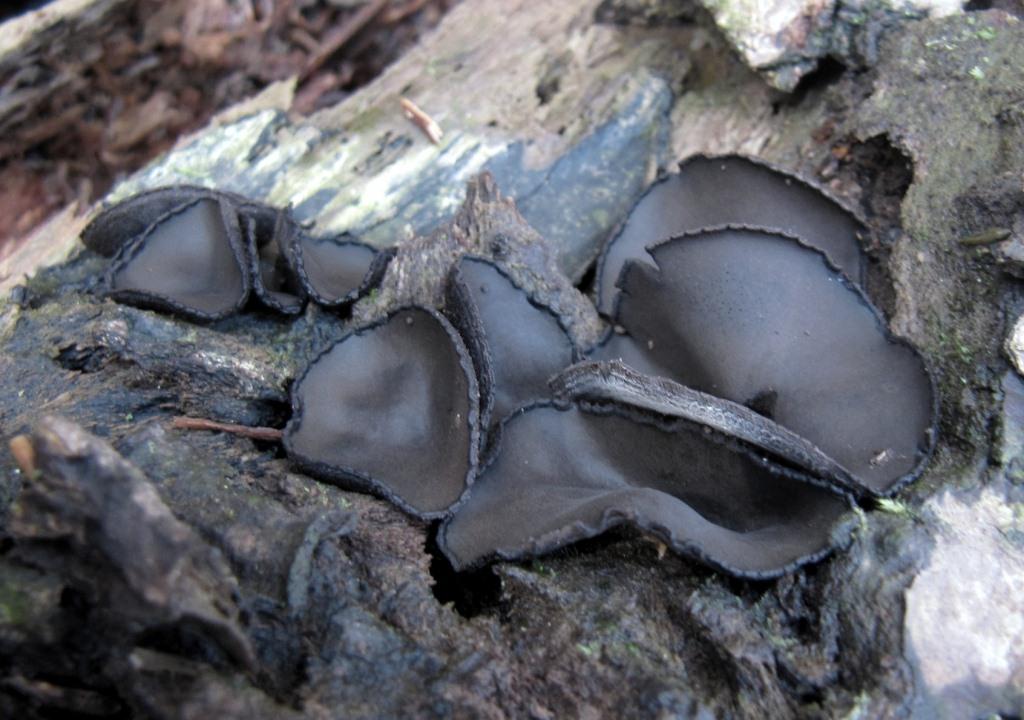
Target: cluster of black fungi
[{"x": 745, "y": 396}]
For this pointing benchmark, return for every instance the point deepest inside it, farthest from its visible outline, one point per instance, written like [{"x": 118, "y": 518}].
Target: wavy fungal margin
[
  {"x": 749, "y": 392},
  {"x": 391, "y": 409},
  {"x": 565, "y": 474},
  {"x": 758, "y": 318},
  {"x": 170, "y": 252},
  {"x": 712, "y": 190}
]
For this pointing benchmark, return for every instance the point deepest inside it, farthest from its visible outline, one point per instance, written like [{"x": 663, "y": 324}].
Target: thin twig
[
  {"x": 333, "y": 42},
  {"x": 423, "y": 121},
  {"x": 256, "y": 433},
  {"x": 400, "y": 13}
]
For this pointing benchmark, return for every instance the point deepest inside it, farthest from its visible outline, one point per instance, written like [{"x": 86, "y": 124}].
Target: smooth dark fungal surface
[
  {"x": 731, "y": 190},
  {"x": 516, "y": 344},
  {"x": 391, "y": 409},
  {"x": 171, "y": 256},
  {"x": 562, "y": 475},
  {"x": 748, "y": 315},
  {"x": 615, "y": 382},
  {"x": 190, "y": 261},
  {"x": 334, "y": 272},
  {"x": 758, "y": 387}
]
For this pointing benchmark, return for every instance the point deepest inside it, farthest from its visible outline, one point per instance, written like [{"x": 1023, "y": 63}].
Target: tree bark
[{"x": 348, "y": 608}]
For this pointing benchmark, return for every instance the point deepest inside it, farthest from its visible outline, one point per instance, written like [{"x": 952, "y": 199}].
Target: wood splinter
[
  {"x": 256, "y": 433},
  {"x": 986, "y": 237},
  {"x": 24, "y": 453},
  {"x": 423, "y": 121}
]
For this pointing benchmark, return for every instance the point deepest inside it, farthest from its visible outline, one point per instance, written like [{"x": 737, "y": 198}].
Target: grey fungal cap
[
  {"x": 335, "y": 271},
  {"x": 759, "y": 319},
  {"x": 516, "y": 344},
  {"x": 191, "y": 261},
  {"x": 566, "y": 474},
  {"x": 391, "y": 409},
  {"x": 731, "y": 190},
  {"x": 171, "y": 255}
]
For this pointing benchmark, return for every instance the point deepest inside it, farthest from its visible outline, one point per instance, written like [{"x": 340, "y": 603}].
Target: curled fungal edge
[
  {"x": 731, "y": 190},
  {"x": 750, "y": 389},
  {"x": 335, "y": 272},
  {"x": 172, "y": 253},
  {"x": 516, "y": 344},
  {"x": 190, "y": 261},
  {"x": 615, "y": 382},
  {"x": 270, "y": 263},
  {"x": 391, "y": 409},
  {"x": 566, "y": 474},
  {"x": 759, "y": 319},
  {"x": 121, "y": 223}
]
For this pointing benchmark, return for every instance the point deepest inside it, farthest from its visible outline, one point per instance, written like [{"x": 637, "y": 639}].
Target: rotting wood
[
  {"x": 544, "y": 638},
  {"x": 90, "y": 91},
  {"x": 359, "y": 167}
]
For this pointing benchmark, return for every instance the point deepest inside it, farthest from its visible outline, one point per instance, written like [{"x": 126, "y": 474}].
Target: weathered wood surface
[
  {"x": 542, "y": 97},
  {"x": 573, "y": 117}
]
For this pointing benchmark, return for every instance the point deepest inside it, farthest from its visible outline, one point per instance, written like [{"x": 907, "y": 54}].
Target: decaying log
[{"x": 293, "y": 597}]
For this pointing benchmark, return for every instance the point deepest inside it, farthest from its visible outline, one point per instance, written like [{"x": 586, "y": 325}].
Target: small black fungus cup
[
  {"x": 391, "y": 409},
  {"x": 202, "y": 254}
]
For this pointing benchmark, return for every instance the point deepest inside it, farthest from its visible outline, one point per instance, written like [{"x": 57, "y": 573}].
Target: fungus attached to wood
[
  {"x": 171, "y": 254},
  {"x": 733, "y": 190},
  {"x": 270, "y": 264},
  {"x": 566, "y": 474},
  {"x": 391, "y": 409},
  {"x": 516, "y": 344},
  {"x": 191, "y": 261},
  {"x": 748, "y": 391},
  {"x": 759, "y": 319},
  {"x": 335, "y": 271}
]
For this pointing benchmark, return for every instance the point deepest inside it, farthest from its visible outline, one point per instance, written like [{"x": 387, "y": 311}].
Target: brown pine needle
[{"x": 256, "y": 433}]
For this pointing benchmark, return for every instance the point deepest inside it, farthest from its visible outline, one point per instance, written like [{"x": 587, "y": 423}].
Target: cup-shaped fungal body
[
  {"x": 762, "y": 320},
  {"x": 279, "y": 263},
  {"x": 731, "y": 190},
  {"x": 191, "y": 260},
  {"x": 516, "y": 343},
  {"x": 270, "y": 264},
  {"x": 336, "y": 271},
  {"x": 563, "y": 474},
  {"x": 391, "y": 409}
]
